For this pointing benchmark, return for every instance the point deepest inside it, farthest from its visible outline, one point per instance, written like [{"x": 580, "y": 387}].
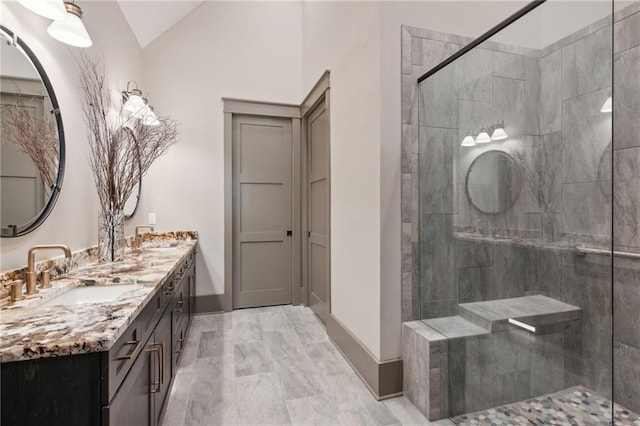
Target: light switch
[{"x": 152, "y": 219}]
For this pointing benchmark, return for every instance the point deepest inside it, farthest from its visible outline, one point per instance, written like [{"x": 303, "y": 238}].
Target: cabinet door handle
[
  {"x": 157, "y": 385},
  {"x": 181, "y": 346},
  {"x": 133, "y": 352},
  {"x": 181, "y": 303},
  {"x": 169, "y": 291}
]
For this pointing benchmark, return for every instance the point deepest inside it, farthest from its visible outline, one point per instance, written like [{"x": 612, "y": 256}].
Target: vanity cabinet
[{"x": 128, "y": 385}]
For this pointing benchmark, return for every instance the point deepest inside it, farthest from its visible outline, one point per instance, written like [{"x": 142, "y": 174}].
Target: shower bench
[{"x": 491, "y": 353}]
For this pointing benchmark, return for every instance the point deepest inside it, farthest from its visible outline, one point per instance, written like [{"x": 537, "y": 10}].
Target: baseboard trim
[
  {"x": 209, "y": 303},
  {"x": 383, "y": 379}
]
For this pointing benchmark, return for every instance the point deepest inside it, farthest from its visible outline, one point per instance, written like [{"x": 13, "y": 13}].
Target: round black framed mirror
[
  {"x": 33, "y": 146},
  {"x": 493, "y": 182}
]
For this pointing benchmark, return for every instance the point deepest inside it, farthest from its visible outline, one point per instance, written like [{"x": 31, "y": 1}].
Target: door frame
[
  {"x": 318, "y": 94},
  {"x": 238, "y": 107}
]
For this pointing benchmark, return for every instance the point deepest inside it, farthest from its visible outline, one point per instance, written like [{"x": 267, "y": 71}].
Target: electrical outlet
[{"x": 152, "y": 219}]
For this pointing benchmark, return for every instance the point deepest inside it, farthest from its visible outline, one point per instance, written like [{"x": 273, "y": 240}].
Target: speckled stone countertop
[{"x": 30, "y": 330}]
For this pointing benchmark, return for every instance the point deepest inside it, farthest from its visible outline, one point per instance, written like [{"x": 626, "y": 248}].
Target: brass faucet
[
  {"x": 136, "y": 241},
  {"x": 31, "y": 264},
  {"x": 139, "y": 227}
]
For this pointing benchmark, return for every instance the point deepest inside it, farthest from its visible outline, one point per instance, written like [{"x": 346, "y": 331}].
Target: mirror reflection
[
  {"x": 493, "y": 182},
  {"x": 30, "y": 147}
]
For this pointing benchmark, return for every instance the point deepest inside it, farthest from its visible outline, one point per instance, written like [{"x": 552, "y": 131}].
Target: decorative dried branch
[
  {"x": 539, "y": 165},
  {"x": 122, "y": 148},
  {"x": 35, "y": 136}
]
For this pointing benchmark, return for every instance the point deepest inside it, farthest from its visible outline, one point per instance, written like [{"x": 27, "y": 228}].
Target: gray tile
[
  {"x": 439, "y": 308},
  {"x": 284, "y": 344},
  {"x": 532, "y": 96},
  {"x": 593, "y": 60},
  {"x": 178, "y": 401},
  {"x": 211, "y": 322},
  {"x": 547, "y": 364},
  {"x": 259, "y": 400},
  {"x": 509, "y": 105},
  {"x": 214, "y": 343},
  {"x": 511, "y": 351},
  {"x": 476, "y": 72},
  {"x": 511, "y": 387},
  {"x": 310, "y": 331},
  {"x": 592, "y": 293},
  {"x": 626, "y": 99},
  {"x": 438, "y": 281},
  {"x": 626, "y": 181},
  {"x": 473, "y": 117},
  {"x": 273, "y": 320},
  {"x": 479, "y": 386},
  {"x": 474, "y": 254},
  {"x": 543, "y": 172},
  {"x": 439, "y": 99},
  {"x": 627, "y": 376},
  {"x": 569, "y": 72},
  {"x": 297, "y": 379},
  {"x": 405, "y": 411},
  {"x": 586, "y": 134},
  {"x": 626, "y": 33},
  {"x": 586, "y": 209},
  {"x": 475, "y": 284},
  {"x": 550, "y": 272},
  {"x": 313, "y": 410},
  {"x": 327, "y": 360},
  {"x": 252, "y": 358},
  {"x": 416, "y": 51},
  {"x": 514, "y": 270},
  {"x": 409, "y": 86},
  {"x": 406, "y": 51},
  {"x": 247, "y": 331},
  {"x": 626, "y": 292},
  {"x": 434, "y": 52},
  {"x": 509, "y": 65},
  {"x": 437, "y": 148},
  {"x": 549, "y": 106}
]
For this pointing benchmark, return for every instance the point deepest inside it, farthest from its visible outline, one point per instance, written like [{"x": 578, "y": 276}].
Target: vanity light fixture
[
  {"x": 70, "y": 29},
  {"x": 607, "y": 106},
  {"x": 498, "y": 132},
  {"x": 52, "y": 9},
  {"x": 483, "y": 137},
  {"x": 133, "y": 101},
  {"x": 468, "y": 140}
]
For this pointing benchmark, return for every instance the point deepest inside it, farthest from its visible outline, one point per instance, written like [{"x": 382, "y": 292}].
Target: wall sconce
[
  {"x": 607, "y": 106},
  {"x": 70, "y": 29},
  {"x": 497, "y": 134},
  {"x": 52, "y": 9},
  {"x": 137, "y": 106}
]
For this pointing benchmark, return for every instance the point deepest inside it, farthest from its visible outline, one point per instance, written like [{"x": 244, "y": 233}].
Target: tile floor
[{"x": 273, "y": 365}]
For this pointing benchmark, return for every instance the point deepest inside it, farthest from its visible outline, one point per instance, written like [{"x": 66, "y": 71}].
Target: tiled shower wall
[{"x": 562, "y": 82}]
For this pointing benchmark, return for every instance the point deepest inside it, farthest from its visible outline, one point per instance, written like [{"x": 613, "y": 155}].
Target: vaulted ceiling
[{"x": 149, "y": 19}]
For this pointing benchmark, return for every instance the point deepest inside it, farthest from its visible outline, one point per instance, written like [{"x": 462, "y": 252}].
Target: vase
[{"x": 111, "y": 241}]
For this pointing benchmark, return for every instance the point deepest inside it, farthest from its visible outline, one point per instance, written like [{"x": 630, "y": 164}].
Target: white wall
[
  {"x": 344, "y": 37},
  {"x": 248, "y": 50},
  {"x": 74, "y": 218}
]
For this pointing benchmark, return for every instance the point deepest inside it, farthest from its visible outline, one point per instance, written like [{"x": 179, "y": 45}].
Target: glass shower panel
[{"x": 515, "y": 186}]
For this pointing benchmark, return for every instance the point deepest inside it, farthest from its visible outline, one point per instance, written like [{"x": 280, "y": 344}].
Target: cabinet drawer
[{"x": 123, "y": 355}]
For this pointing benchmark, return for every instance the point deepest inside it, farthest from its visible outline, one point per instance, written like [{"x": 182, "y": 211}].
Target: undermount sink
[{"x": 98, "y": 294}]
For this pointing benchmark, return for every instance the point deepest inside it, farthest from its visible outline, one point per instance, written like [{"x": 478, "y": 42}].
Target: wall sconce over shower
[
  {"x": 137, "y": 106},
  {"x": 497, "y": 134},
  {"x": 607, "y": 106}
]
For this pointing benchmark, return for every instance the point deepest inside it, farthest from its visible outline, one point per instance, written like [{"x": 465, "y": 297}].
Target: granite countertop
[{"x": 30, "y": 330}]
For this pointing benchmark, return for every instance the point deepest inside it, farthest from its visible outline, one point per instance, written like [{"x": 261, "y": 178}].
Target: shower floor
[{"x": 576, "y": 406}]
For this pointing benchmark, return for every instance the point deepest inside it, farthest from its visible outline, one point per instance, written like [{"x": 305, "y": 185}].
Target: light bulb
[
  {"x": 135, "y": 105},
  {"x": 150, "y": 118},
  {"x": 607, "y": 106}
]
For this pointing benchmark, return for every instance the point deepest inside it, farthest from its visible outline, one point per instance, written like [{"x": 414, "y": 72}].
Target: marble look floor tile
[
  {"x": 247, "y": 331},
  {"x": 259, "y": 400},
  {"x": 297, "y": 379},
  {"x": 218, "y": 407},
  {"x": 211, "y": 322},
  {"x": 327, "y": 360},
  {"x": 214, "y": 343},
  {"x": 273, "y": 320},
  {"x": 284, "y": 344},
  {"x": 313, "y": 410},
  {"x": 405, "y": 411},
  {"x": 252, "y": 358},
  {"x": 178, "y": 399}
]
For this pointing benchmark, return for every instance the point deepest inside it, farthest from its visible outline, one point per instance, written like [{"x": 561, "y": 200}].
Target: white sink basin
[{"x": 96, "y": 294}]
